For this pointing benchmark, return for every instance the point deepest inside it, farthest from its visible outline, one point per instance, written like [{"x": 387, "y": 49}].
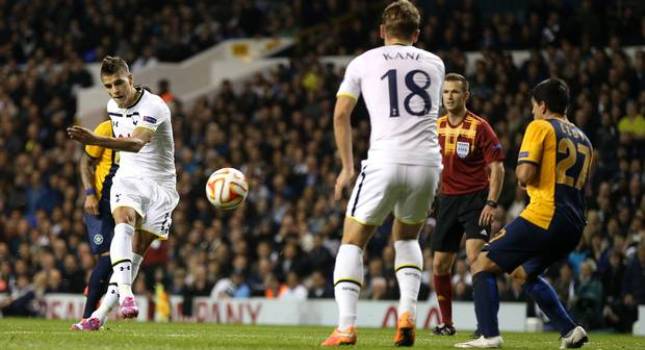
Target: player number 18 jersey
[{"x": 401, "y": 86}]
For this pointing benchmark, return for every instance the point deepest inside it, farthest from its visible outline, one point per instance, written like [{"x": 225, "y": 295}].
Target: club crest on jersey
[
  {"x": 98, "y": 239},
  {"x": 463, "y": 148}
]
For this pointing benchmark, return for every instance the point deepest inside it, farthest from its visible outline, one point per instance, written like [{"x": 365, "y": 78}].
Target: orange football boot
[
  {"x": 405, "y": 330},
  {"x": 338, "y": 338}
]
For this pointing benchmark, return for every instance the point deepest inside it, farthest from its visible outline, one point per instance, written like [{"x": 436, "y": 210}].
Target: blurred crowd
[
  {"x": 472, "y": 25},
  {"x": 143, "y": 32},
  {"x": 277, "y": 128}
]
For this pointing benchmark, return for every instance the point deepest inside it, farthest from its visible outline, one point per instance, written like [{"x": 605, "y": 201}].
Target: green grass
[{"x": 124, "y": 335}]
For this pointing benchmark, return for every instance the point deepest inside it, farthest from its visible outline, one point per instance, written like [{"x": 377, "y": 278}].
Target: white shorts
[
  {"x": 409, "y": 190},
  {"x": 151, "y": 201}
]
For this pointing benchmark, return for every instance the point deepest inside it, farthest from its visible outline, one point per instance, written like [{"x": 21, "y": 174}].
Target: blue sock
[
  {"x": 98, "y": 284},
  {"x": 548, "y": 300},
  {"x": 486, "y": 303}
]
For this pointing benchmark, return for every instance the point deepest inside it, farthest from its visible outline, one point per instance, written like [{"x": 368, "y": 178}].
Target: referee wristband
[
  {"x": 491, "y": 203},
  {"x": 90, "y": 192}
]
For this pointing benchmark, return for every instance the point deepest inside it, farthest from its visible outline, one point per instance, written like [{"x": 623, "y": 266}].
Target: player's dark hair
[
  {"x": 401, "y": 19},
  {"x": 114, "y": 65},
  {"x": 458, "y": 77},
  {"x": 554, "y": 93}
]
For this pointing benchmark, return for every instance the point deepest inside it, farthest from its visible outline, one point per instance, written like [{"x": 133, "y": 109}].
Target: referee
[{"x": 470, "y": 185}]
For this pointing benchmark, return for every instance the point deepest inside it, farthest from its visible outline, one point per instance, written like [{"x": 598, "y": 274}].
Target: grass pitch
[{"x": 124, "y": 335}]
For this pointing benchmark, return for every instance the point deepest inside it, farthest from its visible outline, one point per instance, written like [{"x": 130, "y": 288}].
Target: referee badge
[{"x": 463, "y": 148}]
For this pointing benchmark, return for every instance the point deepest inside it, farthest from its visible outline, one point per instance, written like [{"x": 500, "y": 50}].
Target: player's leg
[
  {"x": 126, "y": 219},
  {"x": 100, "y": 229},
  {"x": 486, "y": 297},
  {"x": 408, "y": 264},
  {"x": 542, "y": 292},
  {"x": 545, "y": 296},
  {"x": 111, "y": 297},
  {"x": 130, "y": 201},
  {"x": 371, "y": 200},
  {"x": 141, "y": 242},
  {"x": 476, "y": 235},
  {"x": 348, "y": 280},
  {"x": 445, "y": 241},
  {"x": 516, "y": 244},
  {"x": 348, "y": 271},
  {"x": 98, "y": 283},
  {"x": 508, "y": 250},
  {"x": 411, "y": 212}
]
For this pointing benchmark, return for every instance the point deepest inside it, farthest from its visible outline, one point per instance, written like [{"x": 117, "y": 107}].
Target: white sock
[
  {"x": 112, "y": 295},
  {"x": 348, "y": 279},
  {"x": 408, "y": 263},
  {"x": 109, "y": 300},
  {"x": 121, "y": 256}
]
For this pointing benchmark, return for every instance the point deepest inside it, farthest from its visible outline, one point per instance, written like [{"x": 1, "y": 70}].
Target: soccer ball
[{"x": 226, "y": 188}]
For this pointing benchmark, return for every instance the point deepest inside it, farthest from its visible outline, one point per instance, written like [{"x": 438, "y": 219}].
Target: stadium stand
[{"x": 277, "y": 129}]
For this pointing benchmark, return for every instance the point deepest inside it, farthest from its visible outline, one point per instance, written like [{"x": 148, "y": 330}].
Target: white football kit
[
  {"x": 401, "y": 86},
  {"x": 146, "y": 180}
]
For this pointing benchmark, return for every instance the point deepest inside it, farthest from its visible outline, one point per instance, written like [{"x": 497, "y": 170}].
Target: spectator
[
  {"x": 320, "y": 287},
  {"x": 293, "y": 290},
  {"x": 25, "y": 298},
  {"x": 632, "y": 125},
  {"x": 164, "y": 91},
  {"x": 587, "y": 303},
  {"x": 233, "y": 287},
  {"x": 377, "y": 289},
  {"x": 634, "y": 281}
]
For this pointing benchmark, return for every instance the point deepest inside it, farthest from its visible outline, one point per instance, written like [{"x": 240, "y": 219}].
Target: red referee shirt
[{"x": 467, "y": 148}]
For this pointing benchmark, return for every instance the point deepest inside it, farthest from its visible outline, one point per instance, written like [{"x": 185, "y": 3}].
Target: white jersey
[
  {"x": 401, "y": 86},
  {"x": 156, "y": 160}
]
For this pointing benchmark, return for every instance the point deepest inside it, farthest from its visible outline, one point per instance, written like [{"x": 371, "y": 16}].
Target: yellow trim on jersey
[
  {"x": 104, "y": 154},
  {"x": 408, "y": 222},
  {"x": 539, "y": 148},
  {"x": 361, "y": 221},
  {"x": 346, "y": 94},
  {"x": 128, "y": 206},
  {"x": 161, "y": 237},
  {"x": 144, "y": 127},
  {"x": 451, "y": 133}
]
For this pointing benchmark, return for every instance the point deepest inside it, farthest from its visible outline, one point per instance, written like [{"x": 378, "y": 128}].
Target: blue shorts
[
  {"x": 100, "y": 228},
  {"x": 534, "y": 248}
]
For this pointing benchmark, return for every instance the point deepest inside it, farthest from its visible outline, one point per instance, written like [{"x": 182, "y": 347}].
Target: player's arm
[
  {"x": 494, "y": 158},
  {"x": 496, "y": 180},
  {"x": 531, "y": 149},
  {"x": 139, "y": 138},
  {"x": 343, "y": 134},
  {"x": 87, "y": 169},
  {"x": 525, "y": 173},
  {"x": 494, "y": 189},
  {"x": 348, "y": 93}
]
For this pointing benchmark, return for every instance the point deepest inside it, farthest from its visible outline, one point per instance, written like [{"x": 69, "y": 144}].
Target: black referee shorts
[{"x": 457, "y": 215}]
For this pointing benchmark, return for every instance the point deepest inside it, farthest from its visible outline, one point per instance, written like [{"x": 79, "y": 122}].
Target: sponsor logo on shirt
[{"x": 149, "y": 119}]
